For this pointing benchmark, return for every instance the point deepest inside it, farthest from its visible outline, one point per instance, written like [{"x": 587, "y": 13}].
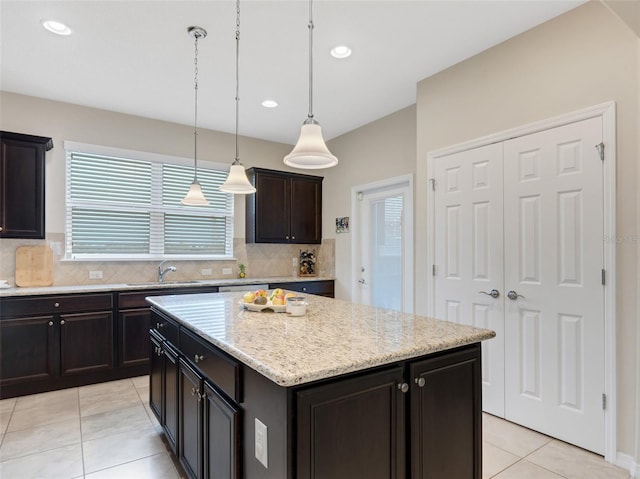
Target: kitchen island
[{"x": 345, "y": 391}]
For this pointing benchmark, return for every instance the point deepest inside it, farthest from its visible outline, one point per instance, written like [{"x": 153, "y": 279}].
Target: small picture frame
[{"x": 342, "y": 224}]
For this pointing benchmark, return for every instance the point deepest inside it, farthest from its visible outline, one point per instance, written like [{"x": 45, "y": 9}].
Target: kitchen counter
[
  {"x": 141, "y": 286},
  {"x": 335, "y": 337}
]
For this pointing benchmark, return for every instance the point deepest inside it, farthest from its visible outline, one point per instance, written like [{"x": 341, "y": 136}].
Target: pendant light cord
[
  {"x": 237, "y": 160},
  {"x": 311, "y": 26},
  {"x": 195, "y": 111}
]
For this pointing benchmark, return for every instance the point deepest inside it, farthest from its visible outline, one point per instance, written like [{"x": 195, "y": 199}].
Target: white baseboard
[{"x": 627, "y": 462}]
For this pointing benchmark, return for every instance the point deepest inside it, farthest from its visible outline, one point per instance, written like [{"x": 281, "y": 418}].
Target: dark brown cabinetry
[
  {"x": 193, "y": 394},
  {"x": 446, "y": 432},
  {"x": 437, "y": 400},
  {"x": 134, "y": 322},
  {"x": 163, "y": 390},
  {"x": 321, "y": 288},
  {"x": 22, "y": 173},
  {"x": 44, "y": 341},
  {"x": 286, "y": 208},
  {"x": 353, "y": 428}
]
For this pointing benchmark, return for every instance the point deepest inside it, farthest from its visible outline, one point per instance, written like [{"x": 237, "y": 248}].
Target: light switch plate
[{"x": 261, "y": 445}]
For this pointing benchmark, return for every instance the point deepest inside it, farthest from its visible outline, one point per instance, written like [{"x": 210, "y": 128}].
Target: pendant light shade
[
  {"x": 310, "y": 151},
  {"x": 195, "y": 196},
  {"x": 237, "y": 182}
]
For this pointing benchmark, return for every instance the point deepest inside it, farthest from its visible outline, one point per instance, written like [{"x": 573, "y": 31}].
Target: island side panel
[{"x": 269, "y": 403}]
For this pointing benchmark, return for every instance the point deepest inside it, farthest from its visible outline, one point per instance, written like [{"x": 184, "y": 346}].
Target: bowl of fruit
[{"x": 261, "y": 300}]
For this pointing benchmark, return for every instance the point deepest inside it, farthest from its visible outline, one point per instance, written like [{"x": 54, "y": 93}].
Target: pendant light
[
  {"x": 195, "y": 197},
  {"x": 237, "y": 181},
  {"x": 310, "y": 151}
]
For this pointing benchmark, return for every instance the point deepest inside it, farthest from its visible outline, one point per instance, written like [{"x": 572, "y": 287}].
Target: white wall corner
[{"x": 626, "y": 462}]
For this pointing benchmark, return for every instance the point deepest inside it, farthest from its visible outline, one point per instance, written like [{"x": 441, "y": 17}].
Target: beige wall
[
  {"x": 583, "y": 58},
  {"x": 64, "y": 121},
  {"x": 382, "y": 149}
]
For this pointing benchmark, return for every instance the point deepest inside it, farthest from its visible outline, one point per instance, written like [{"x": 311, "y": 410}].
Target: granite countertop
[
  {"x": 334, "y": 337},
  {"x": 141, "y": 286}
]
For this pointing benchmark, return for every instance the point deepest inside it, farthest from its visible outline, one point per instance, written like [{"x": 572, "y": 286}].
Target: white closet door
[
  {"x": 469, "y": 254},
  {"x": 553, "y": 217}
]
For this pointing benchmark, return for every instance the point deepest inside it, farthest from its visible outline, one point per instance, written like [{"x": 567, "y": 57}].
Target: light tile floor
[{"x": 107, "y": 431}]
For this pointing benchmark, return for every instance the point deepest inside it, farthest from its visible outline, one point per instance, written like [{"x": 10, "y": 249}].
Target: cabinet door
[
  {"x": 170, "y": 411},
  {"x": 27, "y": 350},
  {"x": 446, "y": 428},
  {"x": 86, "y": 342},
  {"x": 22, "y": 188},
  {"x": 156, "y": 373},
  {"x": 133, "y": 326},
  {"x": 190, "y": 420},
  {"x": 272, "y": 208},
  {"x": 221, "y": 436},
  {"x": 352, "y": 428},
  {"x": 306, "y": 210}
]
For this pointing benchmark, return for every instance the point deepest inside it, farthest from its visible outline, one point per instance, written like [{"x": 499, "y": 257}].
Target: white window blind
[{"x": 128, "y": 208}]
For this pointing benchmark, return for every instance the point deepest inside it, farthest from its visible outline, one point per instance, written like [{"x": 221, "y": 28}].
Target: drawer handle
[
  {"x": 159, "y": 325},
  {"x": 62, "y": 321},
  {"x": 56, "y": 305},
  {"x": 50, "y": 323},
  {"x": 420, "y": 382},
  {"x": 197, "y": 358}
]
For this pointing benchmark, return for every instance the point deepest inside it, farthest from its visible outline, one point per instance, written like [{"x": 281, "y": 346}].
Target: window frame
[{"x": 157, "y": 160}]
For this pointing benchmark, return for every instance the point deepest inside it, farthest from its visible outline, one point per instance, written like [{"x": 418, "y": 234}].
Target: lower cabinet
[
  {"x": 200, "y": 422},
  {"x": 355, "y": 427},
  {"x": 49, "y": 349},
  {"x": 352, "y": 428}
]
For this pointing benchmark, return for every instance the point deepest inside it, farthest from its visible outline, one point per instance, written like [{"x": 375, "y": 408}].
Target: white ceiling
[{"x": 136, "y": 56}]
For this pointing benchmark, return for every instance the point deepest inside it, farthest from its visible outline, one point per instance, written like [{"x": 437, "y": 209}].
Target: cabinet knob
[
  {"x": 197, "y": 358},
  {"x": 304, "y": 289},
  {"x": 293, "y": 237},
  {"x": 1, "y": 228},
  {"x": 420, "y": 382},
  {"x": 286, "y": 237},
  {"x": 193, "y": 391},
  {"x": 404, "y": 387},
  {"x": 159, "y": 325},
  {"x": 56, "y": 305},
  {"x": 50, "y": 323},
  {"x": 62, "y": 321}
]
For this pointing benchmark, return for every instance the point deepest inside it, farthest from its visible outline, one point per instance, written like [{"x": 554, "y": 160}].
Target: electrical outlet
[
  {"x": 294, "y": 261},
  {"x": 226, "y": 270},
  {"x": 262, "y": 445},
  {"x": 95, "y": 274},
  {"x": 206, "y": 272}
]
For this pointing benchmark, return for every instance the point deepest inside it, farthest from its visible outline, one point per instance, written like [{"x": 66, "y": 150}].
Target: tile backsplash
[{"x": 261, "y": 261}]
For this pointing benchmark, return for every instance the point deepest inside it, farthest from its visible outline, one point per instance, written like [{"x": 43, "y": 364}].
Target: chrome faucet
[{"x": 162, "y": 272}]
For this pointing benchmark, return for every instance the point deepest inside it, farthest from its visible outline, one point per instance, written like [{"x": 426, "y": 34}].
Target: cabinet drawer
[
  {"x": 165, "y": 327},
  {"x": 56, "y": 304},
  {"x": 322, "y": 288},
  {"x": 222, "y": 370}
]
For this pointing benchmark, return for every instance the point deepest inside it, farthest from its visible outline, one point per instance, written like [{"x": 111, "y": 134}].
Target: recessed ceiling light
[
  {"x": 341, "y": 51},
  {"x": 56, "y": 27},
  {"x": 269, "y": 103}
]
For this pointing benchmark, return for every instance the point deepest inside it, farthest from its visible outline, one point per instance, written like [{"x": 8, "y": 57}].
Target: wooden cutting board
[{"x": 34, "y": 266}]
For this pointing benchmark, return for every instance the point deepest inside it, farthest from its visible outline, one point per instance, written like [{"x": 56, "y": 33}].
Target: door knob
[
  {"x": 494, "y": 293},
  {"x": 512, "y": 295}
]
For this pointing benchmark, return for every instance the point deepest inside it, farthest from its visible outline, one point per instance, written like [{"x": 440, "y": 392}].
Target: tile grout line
[{"x": 81, "y": 438}]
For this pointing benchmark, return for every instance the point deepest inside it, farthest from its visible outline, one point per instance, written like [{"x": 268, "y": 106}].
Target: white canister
[{"x": 296, "y": 306}]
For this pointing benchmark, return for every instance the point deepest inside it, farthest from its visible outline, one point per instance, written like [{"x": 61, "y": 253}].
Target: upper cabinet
[
  {"x": 286, "y": 208},
  {"x": 22, "y": 166}
]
